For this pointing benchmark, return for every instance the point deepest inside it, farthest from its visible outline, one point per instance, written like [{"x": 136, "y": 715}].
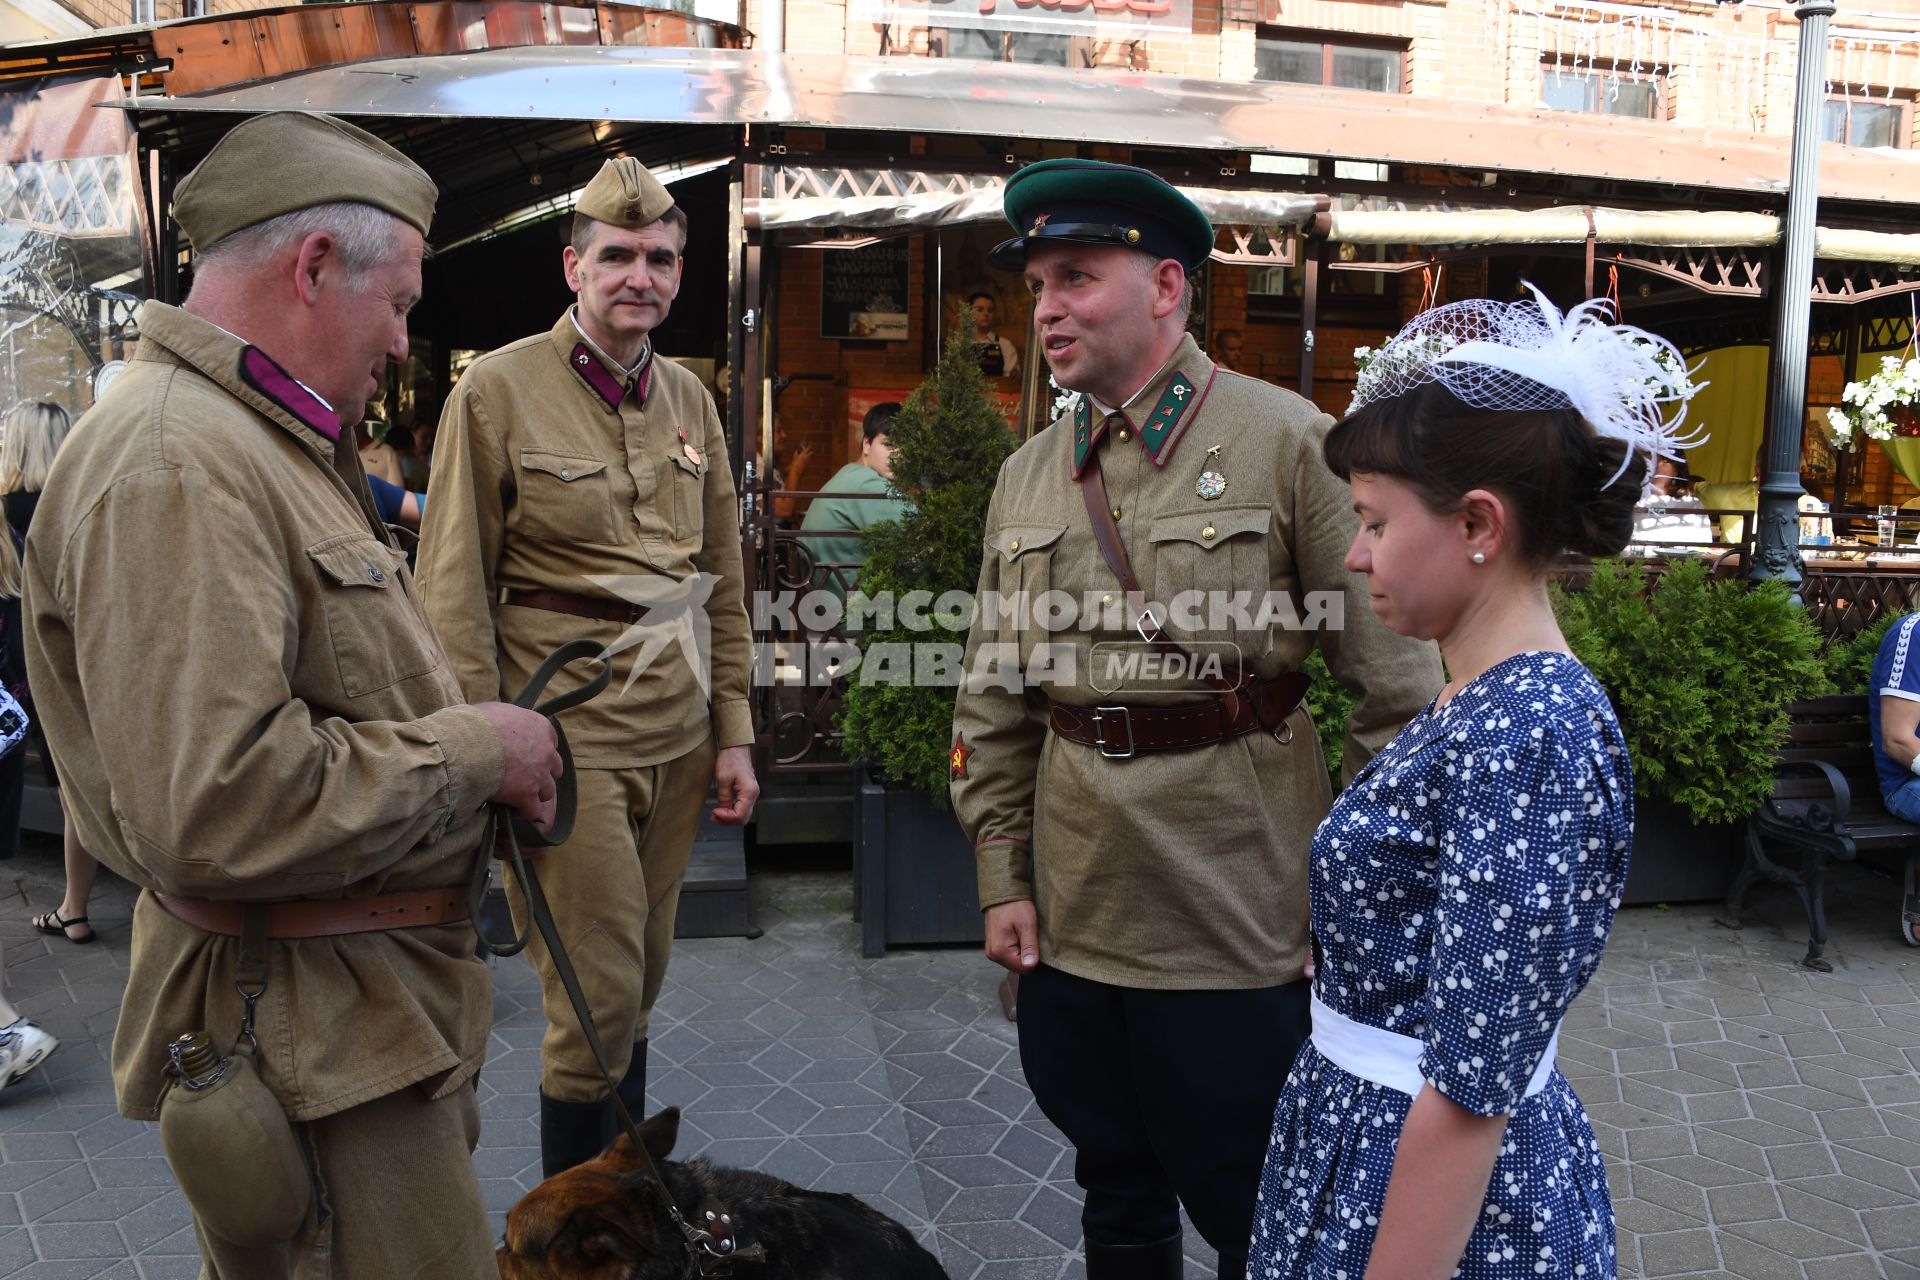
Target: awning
[
  {"x": 1005, "y": 100},
  {"x": 803, "y": 198},
  {"x": 1665, "y": 229}
]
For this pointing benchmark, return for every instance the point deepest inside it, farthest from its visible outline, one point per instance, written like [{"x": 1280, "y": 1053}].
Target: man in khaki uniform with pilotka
[
  {"x": 1142, "y": 835},
  {"x": 246, "y": 705},
  {"x": 580, "y": 490}
]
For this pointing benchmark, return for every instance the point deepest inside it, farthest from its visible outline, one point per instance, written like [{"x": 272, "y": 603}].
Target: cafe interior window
[
  {"x": 1861, "y": 122},
  {"x": 1353, "y": 294},
  {"x": 1603, "y": 90},
  {"x": 981, "y": 45},
  {"x": 1308, "y": 57}
]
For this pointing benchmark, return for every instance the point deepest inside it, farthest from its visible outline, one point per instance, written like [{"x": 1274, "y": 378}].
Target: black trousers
[{"x": 1167, "y": 1097}]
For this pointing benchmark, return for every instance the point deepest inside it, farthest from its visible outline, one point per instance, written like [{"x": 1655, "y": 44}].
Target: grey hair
[
  {"x": 365, "y": 236},
  {"x": 1189, "y": 289}
]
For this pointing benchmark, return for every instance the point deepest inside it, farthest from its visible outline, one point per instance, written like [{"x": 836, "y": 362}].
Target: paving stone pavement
[{"x": 1761, "y": 1121}]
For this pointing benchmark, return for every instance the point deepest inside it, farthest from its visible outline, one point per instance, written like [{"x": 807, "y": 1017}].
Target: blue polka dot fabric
[{"x": 1463, "y": 888}]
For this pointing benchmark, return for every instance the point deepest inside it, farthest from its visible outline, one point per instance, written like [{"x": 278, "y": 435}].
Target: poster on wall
[{"x": 863, "y": 293}]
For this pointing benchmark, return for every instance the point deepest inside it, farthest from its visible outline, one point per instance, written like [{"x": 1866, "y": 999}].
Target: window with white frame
[
  {"x": 1866, "y": 122},
  {"x": 1604, "y": 90}
]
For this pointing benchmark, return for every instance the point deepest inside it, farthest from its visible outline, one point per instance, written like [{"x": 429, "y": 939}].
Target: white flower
[
  {"x": 1896, "y": 385},
  {"x": 1063, "y": 399}
]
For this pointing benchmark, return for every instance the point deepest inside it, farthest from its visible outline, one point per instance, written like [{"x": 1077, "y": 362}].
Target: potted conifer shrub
[
  {"x": 1699, "y": 672},
  {"x": 913, "y": 864}
]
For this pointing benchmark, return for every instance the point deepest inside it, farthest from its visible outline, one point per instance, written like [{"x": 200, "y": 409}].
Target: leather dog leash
[{"x": 711, "y": 1250}]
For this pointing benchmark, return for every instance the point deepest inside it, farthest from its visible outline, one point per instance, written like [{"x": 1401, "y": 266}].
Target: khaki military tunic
[
  {"x": 553, "y": 472},
  {"x": 245, "y": 702},
  {"x": 1178, "y": 869}
]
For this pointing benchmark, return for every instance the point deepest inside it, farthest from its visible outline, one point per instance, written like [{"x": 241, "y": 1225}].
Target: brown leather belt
[
  {"x": 325, "y": 917},
  {"x": 1121, "y": 730},
  {"x": 576, "y": 604}
]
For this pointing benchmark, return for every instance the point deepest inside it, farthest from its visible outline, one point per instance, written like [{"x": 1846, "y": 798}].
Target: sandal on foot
[{"x": 54, "y": 925}]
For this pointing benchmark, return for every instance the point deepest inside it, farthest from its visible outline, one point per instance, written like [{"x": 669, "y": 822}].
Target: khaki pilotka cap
[
  {"x": 624, "y": 194},
  {"x": 285, "y": 161}
]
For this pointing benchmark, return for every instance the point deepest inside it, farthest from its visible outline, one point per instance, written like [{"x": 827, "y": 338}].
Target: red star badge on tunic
[{"x": 957, "y": 758}]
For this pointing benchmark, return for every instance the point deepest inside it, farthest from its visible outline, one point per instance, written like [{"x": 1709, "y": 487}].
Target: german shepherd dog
[{"x": 605, "y": 1220}]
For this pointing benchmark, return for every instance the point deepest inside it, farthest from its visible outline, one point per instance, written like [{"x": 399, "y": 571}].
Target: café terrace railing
[{"x": 800, "y": 671}]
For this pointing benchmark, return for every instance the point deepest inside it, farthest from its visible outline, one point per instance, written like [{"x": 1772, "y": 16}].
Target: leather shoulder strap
[{"x": 1106, "y": 535}]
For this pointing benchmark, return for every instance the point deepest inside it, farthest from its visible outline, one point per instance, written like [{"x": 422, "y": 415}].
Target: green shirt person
[{"x": 845, "y": 519}]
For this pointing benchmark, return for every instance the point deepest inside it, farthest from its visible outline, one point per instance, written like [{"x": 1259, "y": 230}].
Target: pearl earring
[{"x": 1479, "y": 557}]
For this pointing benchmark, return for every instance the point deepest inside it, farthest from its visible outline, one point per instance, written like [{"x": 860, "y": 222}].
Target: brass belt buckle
[{"x": 1100, "y": 731}]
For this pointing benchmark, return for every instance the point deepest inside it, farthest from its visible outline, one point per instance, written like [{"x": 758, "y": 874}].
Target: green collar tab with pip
[{"x": 1161, "y": 432}]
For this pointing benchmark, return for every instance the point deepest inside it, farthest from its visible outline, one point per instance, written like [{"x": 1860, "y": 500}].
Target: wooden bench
[{"x": 1826, "y": 807}]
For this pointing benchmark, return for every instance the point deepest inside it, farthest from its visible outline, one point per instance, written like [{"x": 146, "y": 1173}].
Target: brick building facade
[{"x": 1701, "y": 70}]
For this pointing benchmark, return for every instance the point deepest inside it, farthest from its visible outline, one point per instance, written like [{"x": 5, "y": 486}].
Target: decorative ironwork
[
  {"x": 1737, "y": 273},
  {"x": 1843, "y": 604},
  {"x": 1257, "y": 247},
  {"x": 789, "y": 182},
  {"x": 84, "y": 197},
  {"x": 1859, "y": 281}
]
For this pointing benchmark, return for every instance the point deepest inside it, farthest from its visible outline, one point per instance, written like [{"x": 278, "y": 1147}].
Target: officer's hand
[
  {"x": 1013, "y": 935},
  {"x": 532, "y": 755},
  {"x": 739, "y": 789}
]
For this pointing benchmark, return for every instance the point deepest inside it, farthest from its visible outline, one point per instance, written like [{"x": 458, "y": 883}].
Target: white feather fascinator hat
[{"x": 1627, "y": 383}]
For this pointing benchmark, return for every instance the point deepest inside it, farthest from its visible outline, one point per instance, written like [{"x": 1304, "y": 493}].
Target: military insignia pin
[
  {"x": 957, "y": 757},
  {"x": 1212, "y": 483},
  {"x": 686, "y": 447}
]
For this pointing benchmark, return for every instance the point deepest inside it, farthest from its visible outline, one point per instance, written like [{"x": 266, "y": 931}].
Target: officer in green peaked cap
[
  {"x": 1143, "y": 798},
  {"x": 1094, "y": 202}
]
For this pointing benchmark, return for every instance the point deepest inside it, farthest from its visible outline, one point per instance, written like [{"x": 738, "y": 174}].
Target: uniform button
[
  {"x": 1125, "y": 435},
  {"x": 1106, "y": 599},
  {"x": 566, "y": 473},
  {"x": 1207, "y": 533},
  {"x": 1014, "y": 545},
  {"x": 376, "y": 575},
  {"x": 1116, "y": 513}
]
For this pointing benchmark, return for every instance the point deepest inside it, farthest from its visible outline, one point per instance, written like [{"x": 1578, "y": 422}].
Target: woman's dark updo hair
[{"x": 1547, "y": 463}]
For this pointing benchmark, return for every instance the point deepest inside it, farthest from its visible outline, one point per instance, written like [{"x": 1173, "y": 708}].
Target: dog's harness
[{"x": 711, "y": 1248}]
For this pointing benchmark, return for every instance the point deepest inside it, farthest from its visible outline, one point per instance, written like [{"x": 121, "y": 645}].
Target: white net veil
[{"x": 1627, "y": 383}]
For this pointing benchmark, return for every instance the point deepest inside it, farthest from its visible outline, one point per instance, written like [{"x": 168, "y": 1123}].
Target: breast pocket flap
[
  {"x": 567, "y": 467},
  {"x": 1015, "y": 541},
  {"x": 357, "y": 562},
  {"x": 1210, "y": 528}
]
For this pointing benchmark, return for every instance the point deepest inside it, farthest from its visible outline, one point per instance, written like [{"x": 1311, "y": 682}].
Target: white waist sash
[{"x": 1389, "y": 1058}]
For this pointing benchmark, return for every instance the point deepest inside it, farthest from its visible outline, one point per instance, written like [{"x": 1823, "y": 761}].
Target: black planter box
[
  {"x": 1676, "y": 859},
  {"x": 913, "y": 873}
]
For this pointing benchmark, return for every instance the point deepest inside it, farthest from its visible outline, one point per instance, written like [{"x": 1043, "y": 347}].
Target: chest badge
[
  {"x": 686, "y": 447},
  {"x": 1212, "y": 483}
]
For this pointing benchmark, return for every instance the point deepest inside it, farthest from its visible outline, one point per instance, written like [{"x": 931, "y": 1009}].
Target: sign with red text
[{"x": 1062, "y": 17}]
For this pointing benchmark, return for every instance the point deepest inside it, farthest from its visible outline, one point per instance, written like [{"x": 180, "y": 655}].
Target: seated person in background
[
  {"x": 999, "y": 358},
  {"x": 1893, "y": 707},
  {"x": 850, "y": 517},
  {"x": 1228, "y": 347},
  {"x": 1669, "y": 513}
]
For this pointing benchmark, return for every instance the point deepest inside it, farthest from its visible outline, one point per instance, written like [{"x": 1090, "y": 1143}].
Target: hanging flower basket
[{"x": 1883, "y": 407}]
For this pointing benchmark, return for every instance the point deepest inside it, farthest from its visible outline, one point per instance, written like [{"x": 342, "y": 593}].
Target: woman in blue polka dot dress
[{"x": 1465, "y": 882}]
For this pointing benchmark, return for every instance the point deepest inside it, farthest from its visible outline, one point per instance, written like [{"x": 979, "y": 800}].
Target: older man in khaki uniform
[
  {"x": 247, "y": 706},
  {"x": 580, "y": 489},
  {"x": 1142, "y": 834}
]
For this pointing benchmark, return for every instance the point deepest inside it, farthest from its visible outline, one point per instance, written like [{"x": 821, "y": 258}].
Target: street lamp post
[{"x": 1777, "y": 544}]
